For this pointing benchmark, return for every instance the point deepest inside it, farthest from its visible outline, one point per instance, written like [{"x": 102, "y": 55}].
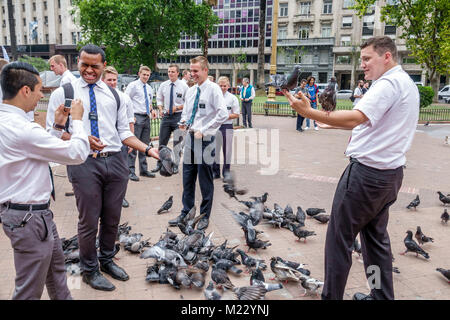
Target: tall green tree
[
  {"x": 136, "y": 32},
  {"x": 425, "y": 26}
]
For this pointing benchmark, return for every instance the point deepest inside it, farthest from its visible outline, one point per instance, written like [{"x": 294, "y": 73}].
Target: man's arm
[{"x": 137, "y": 144}]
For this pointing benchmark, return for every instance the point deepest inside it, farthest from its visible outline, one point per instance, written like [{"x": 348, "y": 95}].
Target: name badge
[
  {"x": 201, "y": 106},
  {"x": 93, "y": 116},
  {"x": 179, "y": 95}
]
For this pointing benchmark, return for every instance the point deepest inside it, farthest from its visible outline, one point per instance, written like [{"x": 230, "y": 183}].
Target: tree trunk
[
  {"x": 12, "y": 31},
  {"x": 261, "y": 44},
  {"x": 434, "y": 82}
]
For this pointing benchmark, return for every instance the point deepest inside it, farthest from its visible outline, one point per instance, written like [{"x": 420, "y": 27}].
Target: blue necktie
[
  {"x": 94, "y": 121},
  {"x": 171, "y": 98},
  {"x": 147, "y": 105},
  {"x": 194, "y": 110}
]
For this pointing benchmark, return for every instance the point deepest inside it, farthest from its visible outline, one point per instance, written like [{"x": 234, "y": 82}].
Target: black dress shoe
[
  {"x": 133, "y": 177},
  {"x": 158, "y": 167},
  {"x": 125, "y": 203},
  {"x": 203, "y": 224},
  {"x": 97, "y": 281},
  {"x": 362, "y": 296},
  {"x": 216, "y": 176},
  {"x": 69, "y": 194},
  {"x": 114, "y": 271},
  {"x": 147, "y": 174},
  {"x": 174, "y": 222}
]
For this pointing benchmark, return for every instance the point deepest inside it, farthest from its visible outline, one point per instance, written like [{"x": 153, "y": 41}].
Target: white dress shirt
[
  {"x": 129, "y": 105},
  {"x": 67, "y": 77},
  {"x": 135, "y": 91},
  {"x": 179, "y": 93},
  {"x": 357, "y": 92},
  {"x": 232, "y": 103},
  {"x": 110, "y": 135},
  {"x": 211, "y": 111},
  {"x": 392, "y": 107},
  {"x": 25, "y": 150}
]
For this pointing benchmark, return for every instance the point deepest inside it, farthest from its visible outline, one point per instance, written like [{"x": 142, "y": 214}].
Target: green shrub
[{"x": 426, "y": 96}]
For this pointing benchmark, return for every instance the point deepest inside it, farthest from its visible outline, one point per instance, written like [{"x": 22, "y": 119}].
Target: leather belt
[
  {"x": 104, "y": 154},
  {"x": 27, "y": 207}
]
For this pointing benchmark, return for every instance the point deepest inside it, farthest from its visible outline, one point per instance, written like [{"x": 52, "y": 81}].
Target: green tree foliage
[
  {"x": 425, "y": 26},
  {"x": 137, "y": 32},
  {"x": 426, "y": 96},
  {"x": 39, "y": 63}
]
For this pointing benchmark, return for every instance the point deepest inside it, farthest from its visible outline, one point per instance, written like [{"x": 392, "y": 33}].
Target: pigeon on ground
[
  {"x": 166, "y": 255},
  {"x": 421, "y": 238},
  {"x": 257, "y": 278},
  {"x": 300, "y": 267},
  {"x": 127, "y": 239},
  {"x": 229, "y": 186},
  {"x": 356, "y": 247},
  {"x": 220, "y": 277},
  {"x": 444, "y": 199},
  {"x": 255, "y": 243},
  {"x": 197, "y": 277},
  {"x": 395, "y": 270},
  {"x": 414, "y": 203},
  {"x": 251, "y": 262},
  {"x": 166, "y": 206},
  {"x": 412, "y": 246},
  {"x": 322, "y": 218},
  {"x": 311, "y": 285},
  {"x": 211, "y": 293},
  {"x": 314, "y": 211},
  {"x": 284, "y": 273},
  {"x": 444, "y": 217},
  {"x": 445, "y": 273},
  {"x": 227, "y": 265},
  {"x": 137, "y": 247},
  {"x": 300, "y": 216},
  {"x": 248, "y": 204},
  {"x": 188, "y": 223},
  {"x": 300, "y": 232},
  {"x": 256, "y": 292},
  {"x": 281, "y": 81},
  {"x": 327, "y": 98},
  {"x": 261, "y": 199}
]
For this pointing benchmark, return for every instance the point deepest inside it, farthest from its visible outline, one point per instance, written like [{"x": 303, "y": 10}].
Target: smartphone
[{"x": 68, "y": 103}]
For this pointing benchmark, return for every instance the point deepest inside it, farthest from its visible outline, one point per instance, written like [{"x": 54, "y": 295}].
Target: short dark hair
[
  {"x": 93, "y": 49},
  {"x": 15, "y": 76},
  {"x": 174, "y": 66},
  {"x": 381, "y": 45},
  {"x": 308, "y": 80}
]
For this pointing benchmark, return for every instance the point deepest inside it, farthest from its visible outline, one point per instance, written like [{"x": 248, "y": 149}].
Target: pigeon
[
  {"x": 256, "y": 243},
  {"x": 197, "y": 277},
  {"x": 167, "y": 255},
  {"x": 301, "y": 233},
  {"x": 322, "y": 218},
  {"x": 284, "y": 273},
  {"x": 248, "y": 204},
  {"x": 445, "y": 273},
  {"x": 166, "y": 206},
  {"x": 227, "y": 265},
  {"x": 300, "y": 216},
  {"x": 421, "y": 238},
  {"x": 257, "y": 278},
  {"x": 126, "y": 239},
  {"x": 250, "y": 262},
  {"x": 395, "y": 270},
  {"x": 327, "y": 98},
  {"x": 256, "y": 212},
  {"x": 211, "y": 293},
  {"x": 229, "y": 186},
  {"x": 311, "y": 285},
  {"x": 414, "y": 203},
  {"x": 182, "y": 278},
  {"x": 255, "y": 292},
  {"x": 189, "y": 221},
  {"x": 261, "y": 199},
  {"x": 220, "y": 277},
  {"x": 202, "y": 265},
  {"x": 300, "y": 267},
  {"x": 412, "y": 246},
  {"x": 70, "y": 244},
  {"x": 281, "y": 81},
  {"x": 444, "y": 217},
  {"x": 356, "y": 247},
  {"x": 446, "y": 140},
  {"x": 314, "y": 211},
  {"x": 137, "y": 247},
  {"x": 444, "y": 199}
]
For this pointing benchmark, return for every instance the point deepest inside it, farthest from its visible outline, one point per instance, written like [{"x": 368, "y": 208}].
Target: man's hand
[
  {"x": 198, "y": 135},
  {"x": 77, "y": 109},
  {"x": 61, "y": 115},
  {"x": 182, "y": 125},
  {"x": 154, "y": 153},
  {"x": 95, "y": 143},
  {"x": 300, "y": 105}
]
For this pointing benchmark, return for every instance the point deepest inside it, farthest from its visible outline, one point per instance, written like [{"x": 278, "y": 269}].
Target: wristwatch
[
  {"x": 148, "y": 148},
  {"x": 58, "y": 126}
]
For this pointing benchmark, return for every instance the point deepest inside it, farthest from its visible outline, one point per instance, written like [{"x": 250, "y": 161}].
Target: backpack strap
[
  {"x": 68, "y": 94},
  {"x": 116, "y": 96}
]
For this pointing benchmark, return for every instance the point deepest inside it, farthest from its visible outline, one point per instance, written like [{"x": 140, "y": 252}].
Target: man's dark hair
[
  {"x": 15, "y": 76},
  {"x": 381, "y": 45},
  {"x": 93, "y": 49}
]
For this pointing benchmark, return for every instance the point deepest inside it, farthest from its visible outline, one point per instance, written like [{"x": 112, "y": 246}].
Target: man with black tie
[{"x": 170, "y": 101}]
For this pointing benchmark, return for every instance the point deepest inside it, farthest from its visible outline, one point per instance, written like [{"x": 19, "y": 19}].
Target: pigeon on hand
[
  {"x": 414, "y": 203},
  {"x": 322, "y": 218},
  {"x": 327, "y": 98},
  {"x": 444, "y": 199},
  {"x": 421, "y": 238},
  {"x": 314, "y": 211},
  {"x": 166, "y": 206},
  {"x": 281, "y": 81},
  {"x": 211, "y": 293},
  {"x": 445, "y": 273},
  {"x": 412, "y": 246},
  {"x": 444, "y": 217}
]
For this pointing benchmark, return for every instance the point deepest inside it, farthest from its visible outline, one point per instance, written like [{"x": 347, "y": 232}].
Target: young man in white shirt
[
  {"x": 358, "y": 93},
  {"x": 25, "y": 150},
  {"x": 186, "y": 76},
  {"x": 247, "y": 95},
  {"x": 203, "y": 114},
  {"x": 58, "y": 65},
  {"x": 170, "y": 102},
  {"x": 383, "y": 123},
  {"x": 141, "y": 94},
  {"x": 100, "y": 183},
  {"x": 224, "y": 136}
]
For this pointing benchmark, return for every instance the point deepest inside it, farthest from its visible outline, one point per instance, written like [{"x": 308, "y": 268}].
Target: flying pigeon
[
  {"x": 414, "y": 203},
  {"x": 412, "y": 246},
  {"x": 444, "y": 199},
  {"x": 444, "y": 217},
  {"x": 327, "y": 98},
  {"x": 281, "y": 81},
  {"x": 166, "y": 206},
  {"x": 421, "y": 238}
]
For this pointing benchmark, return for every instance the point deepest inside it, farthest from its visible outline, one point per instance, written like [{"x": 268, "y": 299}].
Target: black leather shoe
[
  {"x": 158, "y": 167},
  {"x": 133, "y": 177},
  {"x": 216, "y": 176},
  {"x": 147, "y": 174},
  {"x": 114, "y": 271},
  {"x": 362, "y": 296},
  {"x": 69, "y": 194},
  {"x": 125, "y": 203},
  {"x": 203, "y": 224},
  {"x": 174, "y": 222},
  {"x": 97, "y": 281}
]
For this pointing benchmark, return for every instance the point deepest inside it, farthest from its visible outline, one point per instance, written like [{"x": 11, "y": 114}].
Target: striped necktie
[
  {"x": 171, "y": 98},
  {"x": 194, "y": 110},
  {"x": 93, "y": 114},
  {"x": 147, "y": 104}
]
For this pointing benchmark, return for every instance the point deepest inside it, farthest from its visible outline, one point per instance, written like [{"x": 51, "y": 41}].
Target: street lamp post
[{"x": 273, "y": 58}]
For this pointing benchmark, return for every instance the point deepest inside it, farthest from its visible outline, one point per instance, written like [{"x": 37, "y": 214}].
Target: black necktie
[
  {"x": 53, "y": 183},
  {"x": 171, "y": 99}
]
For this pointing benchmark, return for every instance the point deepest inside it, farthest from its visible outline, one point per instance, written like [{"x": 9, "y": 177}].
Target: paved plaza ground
[{"x": 301, "y": 170}]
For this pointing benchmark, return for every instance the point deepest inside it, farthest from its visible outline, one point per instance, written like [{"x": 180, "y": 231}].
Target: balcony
[
  {"x": 305, "y": 42},
  {"x": 299, "y": 18}
]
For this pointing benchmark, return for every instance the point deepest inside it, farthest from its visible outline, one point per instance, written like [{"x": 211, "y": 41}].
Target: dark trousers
[
  {"x": 299, "y": 122},
  {"x": 247, "y": 113},
  {"x": 224, "y": 139},
  {"x": 361, "y": 205},
  {"x": 99, "y": 185},
  {"x": 38, "y": 255},
  {"x": 142, "y": 132},
  {"x": 169, "y": 124},
  {"x": 198, "y": 159}
]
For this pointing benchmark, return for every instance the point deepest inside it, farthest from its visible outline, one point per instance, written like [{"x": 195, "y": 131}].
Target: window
[
  {"x": 74, "y": 38},
  {"x": 282, "y": 32},
  {"x": 46, "y": 38},
  {"x": 327, "y": 6},
  {"x": 348, "y": 3},
  {"x": 6, "y": 40},
  {"x": 24, "y": 22},
  {"x": 25, "y": 39},
  {"x": 34, "y": 6},
  {"x": 59, "y": 4},
  {"x": 347, "y": 22},
  {"x": 326, "y": 30},
  {"x": 345, "y": 41},
  {"x": 390, "y": 30},
  {"x": 284, "y": 10},
  {"x": 23, "y": 7},
  {"x": 4, "y": 24},
  {"x": 46, "y": 20},
  {"x": 59, "y": 19},
  {"x": 45, "y": 5},
  {"x": 303, "y": 32},
  {"x": 60, "y": 38},
  {"x": 343, "y": 59},
  {"x": 409, "y": 60},
  {"x": 324, "y": 58},
  {"x": 3, "y": 10},
  {"x": 305, "y": 8},
  {"x": 368, "y": 25}
]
